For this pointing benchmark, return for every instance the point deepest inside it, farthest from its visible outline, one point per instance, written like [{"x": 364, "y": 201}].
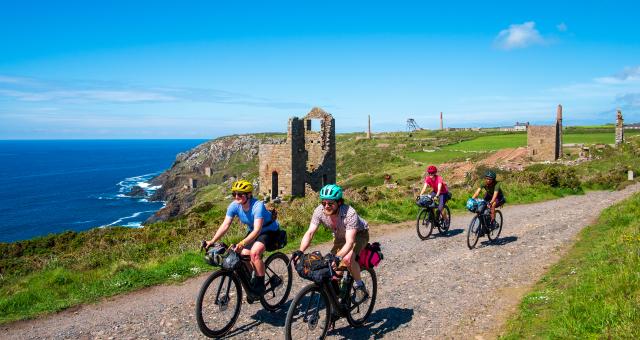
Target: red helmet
[{"x": 432, "y": 169}]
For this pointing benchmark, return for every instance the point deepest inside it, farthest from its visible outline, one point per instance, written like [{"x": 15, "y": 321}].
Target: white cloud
[
  {"x": 628, "y": 75},
  {"x": 519, "y": 36},
  {"x": 562, "y": 27}
]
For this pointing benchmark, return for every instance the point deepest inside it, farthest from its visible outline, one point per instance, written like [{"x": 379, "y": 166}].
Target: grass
[
  {"x": 594, "y": 291},
  {"x": 491, "y": 143}
]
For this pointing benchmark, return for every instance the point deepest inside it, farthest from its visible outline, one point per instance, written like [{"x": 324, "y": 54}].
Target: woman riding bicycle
[
  {"x": 350, "y": 232},
  {"x": 438, "y": 189},
  {"x": 493, "y": 193},
  {"x": 261, "y": 228}
]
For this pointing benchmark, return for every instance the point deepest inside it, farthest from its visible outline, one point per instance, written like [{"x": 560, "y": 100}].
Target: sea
[{"x": 57, "y": 185}]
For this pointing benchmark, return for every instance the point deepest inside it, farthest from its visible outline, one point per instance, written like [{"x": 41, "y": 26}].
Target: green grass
[
  {"x": 491, "y": 143},
  {"x": 594, "y": 291}
]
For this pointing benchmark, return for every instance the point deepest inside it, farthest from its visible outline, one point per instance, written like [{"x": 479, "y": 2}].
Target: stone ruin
[
  {"x": 619, "y": 129},
  {"x": 308, "y": 157},
  {"x": 544, "y": 143}
]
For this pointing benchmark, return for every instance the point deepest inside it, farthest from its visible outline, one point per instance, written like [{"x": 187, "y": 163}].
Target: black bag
[
  {"x": 314, "y": 267},
  {"x": 278, "y": 240},
  {"x": 231, "y": 261}
]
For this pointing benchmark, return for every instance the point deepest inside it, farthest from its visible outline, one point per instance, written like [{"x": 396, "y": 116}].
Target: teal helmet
[
  {"x": 490, "y": 174},
  {"x": 331, "y": 192}
]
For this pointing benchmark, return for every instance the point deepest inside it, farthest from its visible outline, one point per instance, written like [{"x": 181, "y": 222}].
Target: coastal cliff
[{"x": 214, "y": 162}]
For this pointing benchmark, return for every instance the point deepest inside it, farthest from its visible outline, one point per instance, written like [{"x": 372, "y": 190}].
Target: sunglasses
[
  {"x": 238, "y": 194},
  {"x": 328, "y": 203}
]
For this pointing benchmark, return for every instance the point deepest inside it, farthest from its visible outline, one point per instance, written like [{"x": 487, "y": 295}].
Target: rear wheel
[
  {"x": 358, "y": 313},
  {"x": 218, "y": 303},
  {"x": 309, "y": 314},
  {"x": 473, "y": 232},
  {"x": 277, "y": 281},
  {"x": 494, "y": 232},
  {"x": 424, "y": 226},
  {"x": 444, "y": 224}
]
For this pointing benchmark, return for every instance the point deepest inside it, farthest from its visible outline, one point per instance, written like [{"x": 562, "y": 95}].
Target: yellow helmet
[{"x": 242, "y": 186}]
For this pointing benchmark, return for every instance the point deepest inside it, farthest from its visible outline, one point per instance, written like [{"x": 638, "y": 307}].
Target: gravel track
[{"x": 436, "y": 288}]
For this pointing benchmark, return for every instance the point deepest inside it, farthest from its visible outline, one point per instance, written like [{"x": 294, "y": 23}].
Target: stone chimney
[
  {"x": 619, "y": 128},
  {"x": 369, "y": 129},
  {"x": 559, "y": 132},
  {"x": 441, "y": 125}
]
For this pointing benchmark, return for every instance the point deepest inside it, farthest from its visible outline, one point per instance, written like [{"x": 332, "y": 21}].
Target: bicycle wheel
[
  {"x": 309, "y": 314},
  {"x": 218, "y": 303},
  {"x": 424, "y": 225},
  {"x": 358, "y": 313},
  {"x": 473, "y": 233},
  {"x": 494, "y": 233},
  {"x": 444, "y": 224},
  {"x": 277, "y": 281}
]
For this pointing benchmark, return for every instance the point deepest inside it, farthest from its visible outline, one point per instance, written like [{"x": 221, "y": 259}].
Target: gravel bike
[
  {"x": 220, "y": 297},
  {"x": 429, "y": 217},
  {"x": 481, "y": 224},
  {"x": 320, "y": 304}
]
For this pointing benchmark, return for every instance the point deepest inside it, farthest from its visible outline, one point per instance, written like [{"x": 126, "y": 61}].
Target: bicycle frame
[{"x": 244, "y": 274}]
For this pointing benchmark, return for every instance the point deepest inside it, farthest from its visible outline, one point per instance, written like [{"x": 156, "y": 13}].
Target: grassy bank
[{"x": 594, "y": 291}]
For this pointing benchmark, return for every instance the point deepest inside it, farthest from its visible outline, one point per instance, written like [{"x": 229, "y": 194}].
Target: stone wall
[
  {"x": 307, "y": 157},
  {"x": 541, "y": 143}
]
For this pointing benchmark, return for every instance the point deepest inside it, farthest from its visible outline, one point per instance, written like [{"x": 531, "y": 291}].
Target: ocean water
[{"x": 53, "y": 186}]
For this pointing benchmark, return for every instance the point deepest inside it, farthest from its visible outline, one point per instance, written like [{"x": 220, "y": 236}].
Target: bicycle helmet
[
  {"x": 432, "y": 169},
  {"x": 242, "y": 186},
  {"x": 490, "y": 174},
  {"x": 331, "y": 192}
]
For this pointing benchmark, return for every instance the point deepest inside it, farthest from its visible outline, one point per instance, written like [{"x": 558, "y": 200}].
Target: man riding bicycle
[
  {"x": 350, "y": 232},
  {"x": 438, "y": 189},
  {"x": 261, "y": 228},
  {"x": 493, "y": 193}
]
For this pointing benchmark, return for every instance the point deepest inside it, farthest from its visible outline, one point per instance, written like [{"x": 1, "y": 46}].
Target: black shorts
[
  {"x": 500, "y": 200},
  {"x": 268, "y": 238}
]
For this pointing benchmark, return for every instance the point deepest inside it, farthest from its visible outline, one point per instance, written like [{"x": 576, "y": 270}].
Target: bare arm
[
  {"x": 221, "y": 230},
  {"x": 475, "y": 195},
  {"x": 257, "y": 227},
  {"x": 495, "y": 196},
  {"x": 439, "y": 188},
  {"x": 308, "y": 236},
  {"x": 424, "y": 188},
  {"x": 350, "y": 237}
]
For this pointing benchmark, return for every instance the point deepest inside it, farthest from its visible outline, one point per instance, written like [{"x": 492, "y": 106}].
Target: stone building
[
  {"x": 308, "y": 157},
  {"x": 619, "y": 129},
  {"x": 544, "y": 143}
]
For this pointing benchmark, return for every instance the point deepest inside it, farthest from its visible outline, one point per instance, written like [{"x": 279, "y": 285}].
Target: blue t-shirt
[{"x": 257, "y": 210}]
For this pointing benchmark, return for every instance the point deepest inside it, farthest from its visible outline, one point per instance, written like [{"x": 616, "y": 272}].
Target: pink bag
[{"x": 370, "y": 256}]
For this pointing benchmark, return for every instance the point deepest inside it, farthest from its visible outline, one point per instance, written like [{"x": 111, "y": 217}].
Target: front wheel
[
  {"x": 218, "y": 303},
  {"x": 445, "y": 223},
  {"x": 359, "y": 312},
  {"x": 309, "y": 314},
  {"x": 494, "y": 231},
  {"x": 277, "y": 281},
  {"x": 473, "y": 232},
  {"x": 424, "y": 224}
]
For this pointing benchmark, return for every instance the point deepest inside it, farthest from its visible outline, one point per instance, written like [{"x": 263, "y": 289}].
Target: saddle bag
[
  {"x": 370, "y": 256},
  {"x": 278, "y": 241}
]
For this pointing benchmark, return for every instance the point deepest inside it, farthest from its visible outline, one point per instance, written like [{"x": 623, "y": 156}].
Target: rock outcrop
[{"x": 213, "y": 162}]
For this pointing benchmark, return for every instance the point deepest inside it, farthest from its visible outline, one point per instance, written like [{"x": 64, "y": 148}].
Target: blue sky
[{"x": 204, "y": 69}]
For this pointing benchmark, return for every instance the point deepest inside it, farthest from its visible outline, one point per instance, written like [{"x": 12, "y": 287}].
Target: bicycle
[
  {"x": 320, "y": 304},
  {"x": 223, "y": 289},
  {"x": 481, "y": 224},
  {"x": 429, "y": 217}
]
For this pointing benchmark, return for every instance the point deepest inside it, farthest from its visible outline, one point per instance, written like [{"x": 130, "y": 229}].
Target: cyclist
[
  {"x": 350, "y": 232},
  {"x": 438, "y": 189},
  {"x": 261, "y": 228},
  {"x": 493, "y": 193}
]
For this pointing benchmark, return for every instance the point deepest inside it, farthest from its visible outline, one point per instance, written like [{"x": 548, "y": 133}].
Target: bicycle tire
[
  {"x": 444, "y": 225},
  {"x": 424, "y": 222},
  {"x": 204, "y": 325},
  {"x": 495, "y": 233},
  {"x": 373, "y": 293},
  {"x": 264, "y": 300},
  {"x": 322, "y": 303},
  {"x": 473, "y": 232}
]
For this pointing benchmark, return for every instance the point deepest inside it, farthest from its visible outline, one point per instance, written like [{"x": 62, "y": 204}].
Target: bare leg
[{"x": 256, "y": 257}]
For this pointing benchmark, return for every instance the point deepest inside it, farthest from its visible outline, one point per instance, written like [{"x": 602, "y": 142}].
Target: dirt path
[{"x": 435, "y": 288}]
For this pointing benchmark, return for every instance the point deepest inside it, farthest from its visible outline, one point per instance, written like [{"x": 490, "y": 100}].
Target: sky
[{"x": 203, "y": 69}]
